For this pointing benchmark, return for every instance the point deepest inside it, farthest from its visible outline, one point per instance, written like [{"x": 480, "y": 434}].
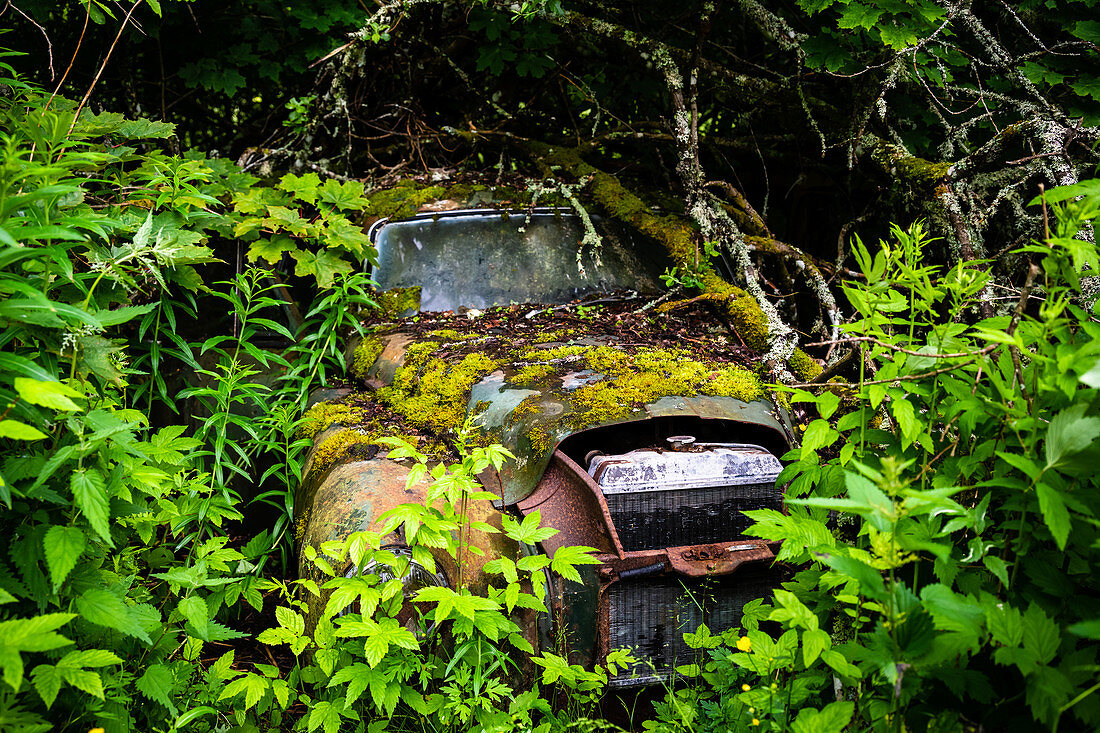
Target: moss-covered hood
[{"x": 531, "y": 398}]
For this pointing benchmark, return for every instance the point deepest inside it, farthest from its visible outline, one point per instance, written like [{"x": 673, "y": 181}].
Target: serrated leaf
[
  {"x": 1070, "y": 432},
  {"x": 193, "y": 608},
  {"x": 102, "y": 607},
  {"x": 63, "y": 547},
  {"x": 272, "y": 250},
  {"x": 47, "y": 682},
  {"x": 566, "y": 559},
  {"x": 819, "y": 434},
  {"x": 83, "y": 679},
  {"x": 856, "y": 15},
  {"x": 90, "y": 496},
  {"x": 324, "y": 715},
  {"x": 833, "y": 718},
  {"x": 95, "y": 357},
  {"x": 290, "y": 620},
  {"x": 324, "y": 266},
  {"x": 301, "y": 187},
  {"x": 348, "y": 195},
  {"x": 157, "y": 684},
  {"x": 89, "y": 658},
  {"x": 1055, "y": 514}
]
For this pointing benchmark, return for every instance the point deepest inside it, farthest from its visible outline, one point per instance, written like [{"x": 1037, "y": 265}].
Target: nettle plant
[
  {"x": 398, "y": 652},
  {"x": 119, "y": 573},
  {"x": 945, "y": 506}
]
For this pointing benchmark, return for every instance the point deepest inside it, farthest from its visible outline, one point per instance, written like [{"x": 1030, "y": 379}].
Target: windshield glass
[{"x": 481, "y": 259}]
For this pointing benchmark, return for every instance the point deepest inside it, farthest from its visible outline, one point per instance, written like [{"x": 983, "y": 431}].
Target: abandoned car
[{"x": 648, "y": 451}]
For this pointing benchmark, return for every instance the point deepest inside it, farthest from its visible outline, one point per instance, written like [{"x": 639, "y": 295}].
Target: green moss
[
  {"x": 550, "y": 336},
  {"x": 750, "y": 321},
  {"x": 396, "y": 302},
  {"x": 336, "y": 446},
  {"x": 803, "y": 366},
  {"x": 558, "y": 352},
  {"x": 319, "y": 417},
  {"x": 402, "y": 200},
  {"x": 449, "y": 334},
  {"x": 366, "y": 353},
  {"x": 532, "y": 375},
  {"x": 649, "y": 375},
  {"x": 909, "y": 168},
  {"x": 428, "y": 392}
]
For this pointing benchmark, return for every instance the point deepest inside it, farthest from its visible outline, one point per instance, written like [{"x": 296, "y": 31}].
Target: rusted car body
[{"x": 648, "y": 455}]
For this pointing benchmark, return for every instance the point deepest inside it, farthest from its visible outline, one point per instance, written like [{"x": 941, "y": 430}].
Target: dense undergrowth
[{"x": 941, "y": 509}]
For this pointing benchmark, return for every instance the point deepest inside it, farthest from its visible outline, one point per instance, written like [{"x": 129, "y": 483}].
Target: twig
[
  {"x": 903, "y": 378},
  {"x": 871, "y": 339},
  {"x": 32, "y": 21},
  {"x": 102, "y": 66}
]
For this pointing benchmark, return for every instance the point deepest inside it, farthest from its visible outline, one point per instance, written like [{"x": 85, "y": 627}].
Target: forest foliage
[{"x": 940, "y": 516}]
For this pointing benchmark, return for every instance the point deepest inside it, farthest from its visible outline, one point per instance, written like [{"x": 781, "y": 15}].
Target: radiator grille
[
  {"x": 652, "y": 520},
  {"x": 650, "y": 616}
]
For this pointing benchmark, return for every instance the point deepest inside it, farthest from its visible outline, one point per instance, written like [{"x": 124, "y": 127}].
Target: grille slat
[
  {"x": 657, "y": 519},
  {"x": 651, "y": 616}
]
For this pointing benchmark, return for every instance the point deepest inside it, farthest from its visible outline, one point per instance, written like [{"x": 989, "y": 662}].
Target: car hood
[{"x": 530, "y": 404}]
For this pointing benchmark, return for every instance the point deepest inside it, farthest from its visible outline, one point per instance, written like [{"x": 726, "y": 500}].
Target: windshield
[{"x": 485, "y": 258}]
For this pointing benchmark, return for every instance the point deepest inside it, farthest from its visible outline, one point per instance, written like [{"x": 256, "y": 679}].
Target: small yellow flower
[
  {"x": 755, "y": 721},
  {"x": 96, "y": 730},
  {"x": 744, "y": 644},
  {"x": 745, "y": 687}
]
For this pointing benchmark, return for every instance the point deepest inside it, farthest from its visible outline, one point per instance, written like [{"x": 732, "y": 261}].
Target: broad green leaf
[
  {"x": 83, "y": 679},
  {"x": 90, "y": 658},
  {"x": 193, "y": 608},
  {"x": 47, "y": 681},
  {"x": 869, "y": 579},
  {"x": 1070, "y": 432},
  {"x": 347, "y": 195},
  {"x": 90, "y": 496},
  {"x": 324, "y": 715},
  {"x": 102, "y": 607},
  {"x": 20, "y": 431},
  {"x": 833, "y": 718},
  {"x": 63, "y": 547},
  {"x": 857, "y": 15},
  {"x": 882, "y": 512},
  {"x": 566, "y": 559},
  {"x": 1041, "y": 635},
  {"x": 1055, "y": 514},
  {"x": 341, "y": 233},
  {"x": 1089, "y": 629},
  {"x": 95, "y": 357},
  {"x": 157, "y": 684},
  {"x": 272, "y": 250},
  {"x": 814, "y": 642},
  {"x": 324, "y": 266},
  {"x": 53, "y": 395},
  {"x": 301, "y": 187},
  {"x": 819, "y": 434},
  {"x": 290, "y": 620}
]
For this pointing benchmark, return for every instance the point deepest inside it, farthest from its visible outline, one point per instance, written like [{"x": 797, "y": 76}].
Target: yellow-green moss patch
[
  {"x": 337, "y": 445},
  {"x": 649, "y": 375},
  {"x": 322, "y": 415},
  {"x": 396, "y": 302},
  {"x": 428, "y": 392},
  {"x": 366, "y": 353}
]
